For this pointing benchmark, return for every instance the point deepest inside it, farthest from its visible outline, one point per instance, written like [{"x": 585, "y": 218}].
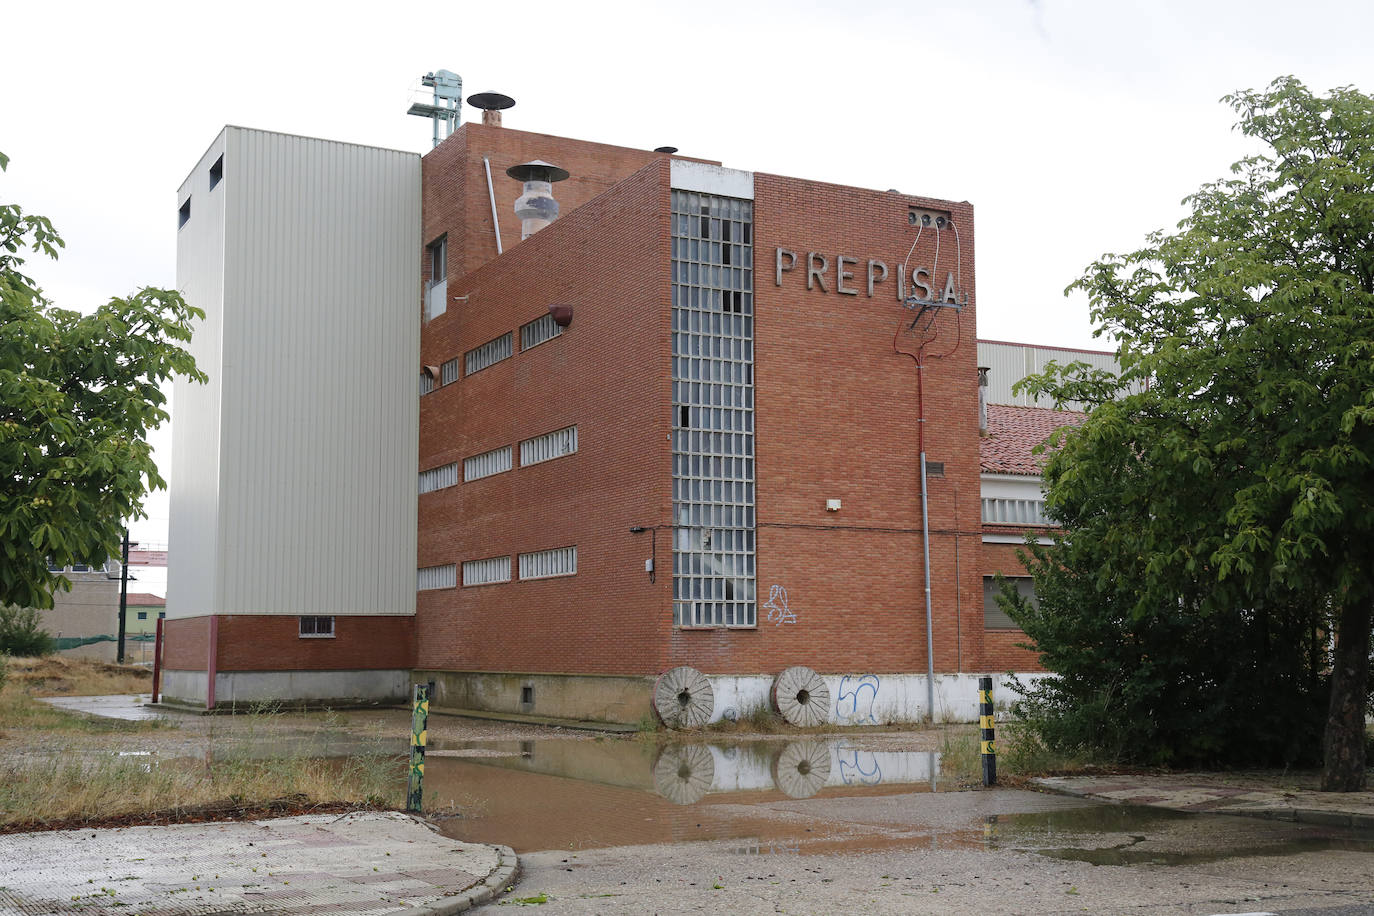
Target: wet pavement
[
  {"x": 362, "y": 863},
  {"x": 133, "y": 708},
  {"x": 860, "y": 823}
]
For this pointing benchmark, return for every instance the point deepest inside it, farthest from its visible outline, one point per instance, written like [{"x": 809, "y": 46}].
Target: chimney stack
[
  {"x": 536, "y": 207},
  {"x": 492, "y": 104}
]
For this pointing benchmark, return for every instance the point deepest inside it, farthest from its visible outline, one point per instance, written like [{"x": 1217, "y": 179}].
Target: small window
[
  {"x": 81, "y": 567},
  {"x": 426, "y": 383},
  {"x": 490, "y": 353},
  {"x": 216, "y": 172},
  {"x": 545, "y": 564},
  {"x": 142, "y": 615},
  {"x": 448, "y": 372},
  {"x": 317, "y": 627},
  {"x": 496, "y": 461},
  {"x": 184, "y": 214},
  {"x": 429, "y": 578},
  {"x": 161, "y": 615},
  {"x": 537, "y": 331},
  {"x": 438, "y": 478},
  {"x": 994, "y": 618},
  {"x": 438, "y": 261},
  {"x": 548, "y": 446},
  {"x": 486, "y": 572}
]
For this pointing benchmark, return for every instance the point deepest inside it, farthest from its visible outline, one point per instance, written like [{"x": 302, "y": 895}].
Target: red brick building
[{"x": 681, "y": 425}]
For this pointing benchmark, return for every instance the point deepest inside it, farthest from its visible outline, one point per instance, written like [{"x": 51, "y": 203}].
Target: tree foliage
[
  {"x": 1218, "y": 503},
  {"x": 22, "y": 633},
  {"x": 78, "y": 396}
]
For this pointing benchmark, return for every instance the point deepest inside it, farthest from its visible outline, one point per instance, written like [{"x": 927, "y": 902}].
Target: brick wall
[
  {"x": 186, "y": 642},
  {"x": 608, "y": 259},
  {"x": 1001, "y": 652},
  {"x": 272, "y": 642}
]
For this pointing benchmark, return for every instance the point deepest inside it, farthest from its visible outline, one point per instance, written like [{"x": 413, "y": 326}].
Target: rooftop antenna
[
  {"x": 492, "y": 104},
  {"x": 447, "y": 107}
]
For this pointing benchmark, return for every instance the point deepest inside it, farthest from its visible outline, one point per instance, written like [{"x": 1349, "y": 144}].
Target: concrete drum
[
  {"x": 683, "y": 775},
  {"x": 683, "y": 698},
  {"x": 801, "y": 768},
  {"x": 801, "y": 697}
]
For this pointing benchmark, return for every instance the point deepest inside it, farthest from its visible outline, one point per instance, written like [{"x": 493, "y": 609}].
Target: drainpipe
[
  {"x": 491, "y": 192},
  {"x": 919, "y": 359}
]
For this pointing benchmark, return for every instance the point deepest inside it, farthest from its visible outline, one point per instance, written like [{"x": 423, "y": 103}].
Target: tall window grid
[{"x": 713, "y": 411}]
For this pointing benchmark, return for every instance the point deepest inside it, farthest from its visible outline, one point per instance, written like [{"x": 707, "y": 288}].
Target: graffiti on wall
[
  {"x": 855, "y": 698},
  {"x": 858, "y": 766},
  {"x": 778, "y": 611}
]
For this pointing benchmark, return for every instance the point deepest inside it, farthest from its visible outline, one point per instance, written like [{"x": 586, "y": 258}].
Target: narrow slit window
[
  {"x": 216, "y": 172},
  {"x": 184, "y": 214}
]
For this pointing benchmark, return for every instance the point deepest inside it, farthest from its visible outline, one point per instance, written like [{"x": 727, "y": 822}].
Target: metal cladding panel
[
  {"x": 192, "y": 571},
  {"x": 1011, "y": 362},
  {"x": 320, "y": 407}
]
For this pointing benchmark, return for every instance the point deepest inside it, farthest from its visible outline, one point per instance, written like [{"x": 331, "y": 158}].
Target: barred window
[
  {"x": 426, "y": 382},
  {"x": 1004, "y": 511},
  {"x": 537, "y": 331},
  {"x": 552, "y": 445},
  {"x": 713, "y": 411},
  {"x": 448, "y": 372},
  {"x": 486, "y": 572},
  {"x": 490, "y": 353},
  {"x": 438, "y": 478},
  {"x": 432, "y": 577},
  {"x": 316, "y": 628},
  {"x": 545, "y": 564},
  {"x": 484, "y": 465}
]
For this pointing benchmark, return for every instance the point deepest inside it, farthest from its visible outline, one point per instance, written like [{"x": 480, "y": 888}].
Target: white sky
[{"x": 1074, "y": 126}]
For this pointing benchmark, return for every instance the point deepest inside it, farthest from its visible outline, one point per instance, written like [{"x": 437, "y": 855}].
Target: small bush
[{"x": 20, "y": 633}]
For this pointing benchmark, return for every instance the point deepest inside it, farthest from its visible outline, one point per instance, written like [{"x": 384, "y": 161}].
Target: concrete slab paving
[
  {"x": 361, "y": 863},
  {"x": 1250, "y": 794},
  {"x": 131, "y": 707}
]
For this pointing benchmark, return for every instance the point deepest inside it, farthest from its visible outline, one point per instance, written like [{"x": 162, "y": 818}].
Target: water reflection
[{"x": 686, "y": 773}]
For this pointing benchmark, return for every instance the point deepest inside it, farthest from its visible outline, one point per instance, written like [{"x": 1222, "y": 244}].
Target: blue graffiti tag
[
  {"x": 854, "y": 696},
  {"x": 778, "y": 611},
  {"x": 853, "y": 768}
]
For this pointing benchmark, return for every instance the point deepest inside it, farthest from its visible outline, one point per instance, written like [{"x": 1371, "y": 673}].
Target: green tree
[
  {"x": 78, "y": 396},
  {"x": 1236, "y": 491}
]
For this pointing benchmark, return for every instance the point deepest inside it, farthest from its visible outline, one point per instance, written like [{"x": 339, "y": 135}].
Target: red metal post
[
  {"x": 157, "y": 661},
  {"x": 210, "y": 663}
]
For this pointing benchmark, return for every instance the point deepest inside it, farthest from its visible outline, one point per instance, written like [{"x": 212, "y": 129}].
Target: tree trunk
[{"x": 1343, "y": 748}]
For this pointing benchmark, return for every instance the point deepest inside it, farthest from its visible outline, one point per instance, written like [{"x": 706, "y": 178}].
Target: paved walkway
[
  {"x": 360, "y": 863},
  {"x": 1265, "y": 794},
  {"x": 133, "y": 707}
]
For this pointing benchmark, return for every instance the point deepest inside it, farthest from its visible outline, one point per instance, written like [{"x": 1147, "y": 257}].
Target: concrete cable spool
[
  {"x": 801, "y": 768},
  {"x": 801, "y": 697},
  {"x": 683, "y": 774},
  {"x": 683, "y": 698}
]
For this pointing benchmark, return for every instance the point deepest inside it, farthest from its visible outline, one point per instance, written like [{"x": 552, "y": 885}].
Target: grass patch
[
  {"x": 54, "y": 773},
  {"x": 54, "y": 676},
  {"x": 1020, "y": 756},
  {"x": 71, "y": 787}
]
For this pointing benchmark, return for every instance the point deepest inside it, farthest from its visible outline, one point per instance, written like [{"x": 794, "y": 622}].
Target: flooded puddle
[
  {"x": 534, "y": 795},
  {"x": 809, "y": 797}
]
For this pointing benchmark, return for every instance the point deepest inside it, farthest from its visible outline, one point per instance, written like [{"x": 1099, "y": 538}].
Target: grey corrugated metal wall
[
  {"x": 1011, "y": 362},
  {"x": 318, "y": 429}
]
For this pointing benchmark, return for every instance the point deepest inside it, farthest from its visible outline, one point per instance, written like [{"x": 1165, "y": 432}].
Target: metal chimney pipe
[
  {"x": 983, "y": 400},
  {"x": 536, "y": 207}
]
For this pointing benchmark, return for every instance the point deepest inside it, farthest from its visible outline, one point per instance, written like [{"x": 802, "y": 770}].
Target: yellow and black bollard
[
  {"x": 419, "y": 737},
  {"x": 987, "y": 732}
]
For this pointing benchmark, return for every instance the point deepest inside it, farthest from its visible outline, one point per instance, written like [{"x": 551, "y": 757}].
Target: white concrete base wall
[
  {"x": 183, "y": 687},
  {"x": 871, "y": 699},
  {"x": 385, "y": 686}
]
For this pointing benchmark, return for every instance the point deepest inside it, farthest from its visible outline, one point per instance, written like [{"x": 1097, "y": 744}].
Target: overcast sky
[{"x": 1074, "y": 126}]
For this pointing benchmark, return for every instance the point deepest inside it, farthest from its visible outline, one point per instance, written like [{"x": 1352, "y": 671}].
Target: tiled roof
[
  {"x": 143, "y": 599},
  {"x": 1013, "y": 432}
]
